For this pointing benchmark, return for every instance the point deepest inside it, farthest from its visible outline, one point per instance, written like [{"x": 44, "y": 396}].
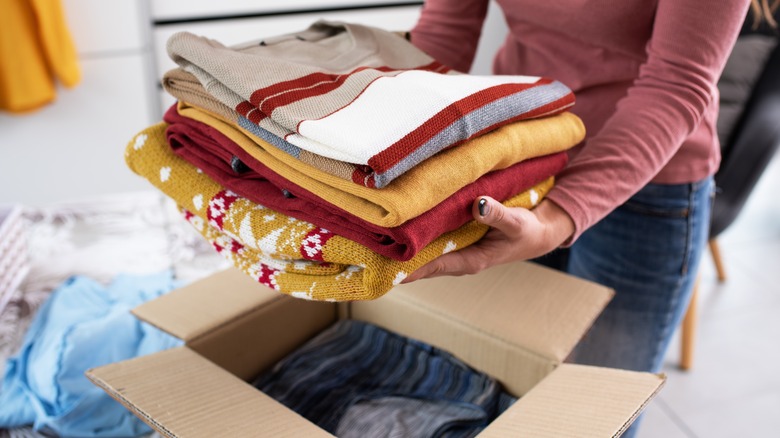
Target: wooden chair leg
[
  {"x": 688, "y": 331},
  {"x": 719, "y": 268}
]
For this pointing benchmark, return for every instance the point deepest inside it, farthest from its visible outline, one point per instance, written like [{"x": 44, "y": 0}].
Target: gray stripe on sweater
[
  {"x": 480, "y": 119},
  {"x": 274, "y": 140}
]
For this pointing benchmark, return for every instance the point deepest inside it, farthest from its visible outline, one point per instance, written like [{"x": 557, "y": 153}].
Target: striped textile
[
  {"x": 313, "y": 88},
  {"x": 424, "y": 186},
  {"x": 186, "y": 88},
  {"x": 358, "y": 380},
  {"x": 215, "y": 154},
  {"x": 286, "y": 254}
]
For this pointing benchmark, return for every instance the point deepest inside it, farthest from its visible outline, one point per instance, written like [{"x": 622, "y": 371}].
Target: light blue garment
[{"x": 82, "y": 325}]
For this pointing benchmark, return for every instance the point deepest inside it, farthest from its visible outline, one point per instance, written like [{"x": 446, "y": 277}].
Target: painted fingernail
[{"x": 483, "y": 207}]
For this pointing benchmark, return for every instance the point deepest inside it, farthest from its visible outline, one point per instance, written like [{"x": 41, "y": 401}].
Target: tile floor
[{"x": 733, "y": 389}]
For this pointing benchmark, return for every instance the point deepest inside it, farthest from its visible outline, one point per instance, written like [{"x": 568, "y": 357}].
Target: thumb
[{"x": 490, "y": 212}]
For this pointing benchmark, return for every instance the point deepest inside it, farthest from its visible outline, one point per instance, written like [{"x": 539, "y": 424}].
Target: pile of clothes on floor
[
  {"x": 329, "y": 164},
  {"x": 90, "y": 261},
  {"x": 83, "y": 324}
]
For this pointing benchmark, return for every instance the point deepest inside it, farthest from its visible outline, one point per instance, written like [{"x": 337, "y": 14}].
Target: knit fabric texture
[
  {"x": 286, "y": 254},
  {"x": 186, "y": 87},
  {"x": 427, "y": 184},
  {"x": 232, "y": 167},
  {"x": 355, "y": 379},
  {"x": 312, "y": 88}
]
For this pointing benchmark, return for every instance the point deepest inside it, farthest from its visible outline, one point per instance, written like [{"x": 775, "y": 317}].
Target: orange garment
[{"x": 36, "y": 49}]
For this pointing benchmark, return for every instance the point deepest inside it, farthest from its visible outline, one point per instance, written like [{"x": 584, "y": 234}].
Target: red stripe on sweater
[
  {"x": 244, "y": 108},
  {"x": 361, "y": 174},
  {"x": 298, "y": 125},
  {"x": 316, "y": 84},
  {"x": 386, "y": 159},
  {"x": 366, "y": 176},
  {"x": 255, "y": 116},
  {"x": 443, "y": 69},
  {"x": 552, "y": 108},
  {"x": 291, "y": 96}
]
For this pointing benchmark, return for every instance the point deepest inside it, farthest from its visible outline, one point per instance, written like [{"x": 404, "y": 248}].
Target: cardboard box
[{"x": 516, "y": 322}]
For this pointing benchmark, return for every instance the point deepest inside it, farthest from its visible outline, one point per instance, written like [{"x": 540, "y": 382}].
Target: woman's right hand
[{"x": 515, "y": 234}]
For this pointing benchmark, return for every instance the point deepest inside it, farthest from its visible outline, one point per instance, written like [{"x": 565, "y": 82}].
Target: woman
[{"x": 632, "y": 207}]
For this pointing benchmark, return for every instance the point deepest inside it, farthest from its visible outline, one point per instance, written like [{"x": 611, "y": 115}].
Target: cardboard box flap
[
  {"x": 206, "y": 304},
  {"x": 524, "y": 304},
  {"x": 181, "y": 394},
  {"x": 578, "y": 401}
]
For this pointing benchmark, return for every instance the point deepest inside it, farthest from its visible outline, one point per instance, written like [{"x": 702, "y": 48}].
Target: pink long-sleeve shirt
[{"x": 644, "y": 74}]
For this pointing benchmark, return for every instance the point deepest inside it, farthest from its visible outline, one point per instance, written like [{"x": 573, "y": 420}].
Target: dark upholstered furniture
[
  {"x": 749, "y": 130},
  {"x": 750, "y": 145}
]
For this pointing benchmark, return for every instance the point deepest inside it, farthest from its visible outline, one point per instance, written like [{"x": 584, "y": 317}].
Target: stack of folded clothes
[{"x": 329, "y": 164}]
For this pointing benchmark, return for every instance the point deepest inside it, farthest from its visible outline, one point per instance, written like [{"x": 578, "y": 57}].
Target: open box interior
[{"x": 515, "y": 322}]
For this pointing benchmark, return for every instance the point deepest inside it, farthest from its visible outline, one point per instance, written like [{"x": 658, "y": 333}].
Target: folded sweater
[
  {"x": 281, "y": 252},
  {"x": 424, "y": 186},
  {"x": 232, "y": 167},
  {"x": 186, "y": 87},
  {"x": 312, "y": 88}
]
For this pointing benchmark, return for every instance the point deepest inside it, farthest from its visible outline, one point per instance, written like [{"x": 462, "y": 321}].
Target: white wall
[
  {"x": 493, "y": 33},
  {"x": 73, "y": 148}
]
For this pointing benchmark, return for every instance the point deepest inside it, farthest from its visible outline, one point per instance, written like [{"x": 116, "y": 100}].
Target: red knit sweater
[{"x": 644, "y": 74}]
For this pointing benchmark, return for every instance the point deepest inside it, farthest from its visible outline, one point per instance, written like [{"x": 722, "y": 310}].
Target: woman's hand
[{"x": 515, "y": 234}]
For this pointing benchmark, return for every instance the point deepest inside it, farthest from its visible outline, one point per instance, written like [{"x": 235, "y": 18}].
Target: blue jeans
[{"x": 648, "y": 251}]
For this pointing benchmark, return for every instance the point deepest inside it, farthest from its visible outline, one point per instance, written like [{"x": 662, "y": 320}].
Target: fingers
[
  {"x": 490, "y": 212},
  {"x": 423, "y": 272},
  {"x": 434, "y": 268},
  {"x": 456, "y": 263}
]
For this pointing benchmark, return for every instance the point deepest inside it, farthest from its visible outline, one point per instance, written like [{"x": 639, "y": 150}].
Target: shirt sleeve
[
  {"x": 690, "y": 42},
  {"x": 449, "y": 31}
]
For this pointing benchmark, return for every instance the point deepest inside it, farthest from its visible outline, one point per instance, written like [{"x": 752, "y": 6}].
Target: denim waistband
[{"x": 671, "y": 196}]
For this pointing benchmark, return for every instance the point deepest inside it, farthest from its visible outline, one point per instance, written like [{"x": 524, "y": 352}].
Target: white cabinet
[
  {"x": 237, "y": 30},
  {"x": 102, "y": 28},
  {"x": 168, "y": 10}
]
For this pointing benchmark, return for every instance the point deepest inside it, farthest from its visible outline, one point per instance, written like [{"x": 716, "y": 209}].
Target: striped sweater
[
  {"x": 186, "y": 87},
  {"x": 281, "y": 252},
  {"x": 312, "y": 88}
]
